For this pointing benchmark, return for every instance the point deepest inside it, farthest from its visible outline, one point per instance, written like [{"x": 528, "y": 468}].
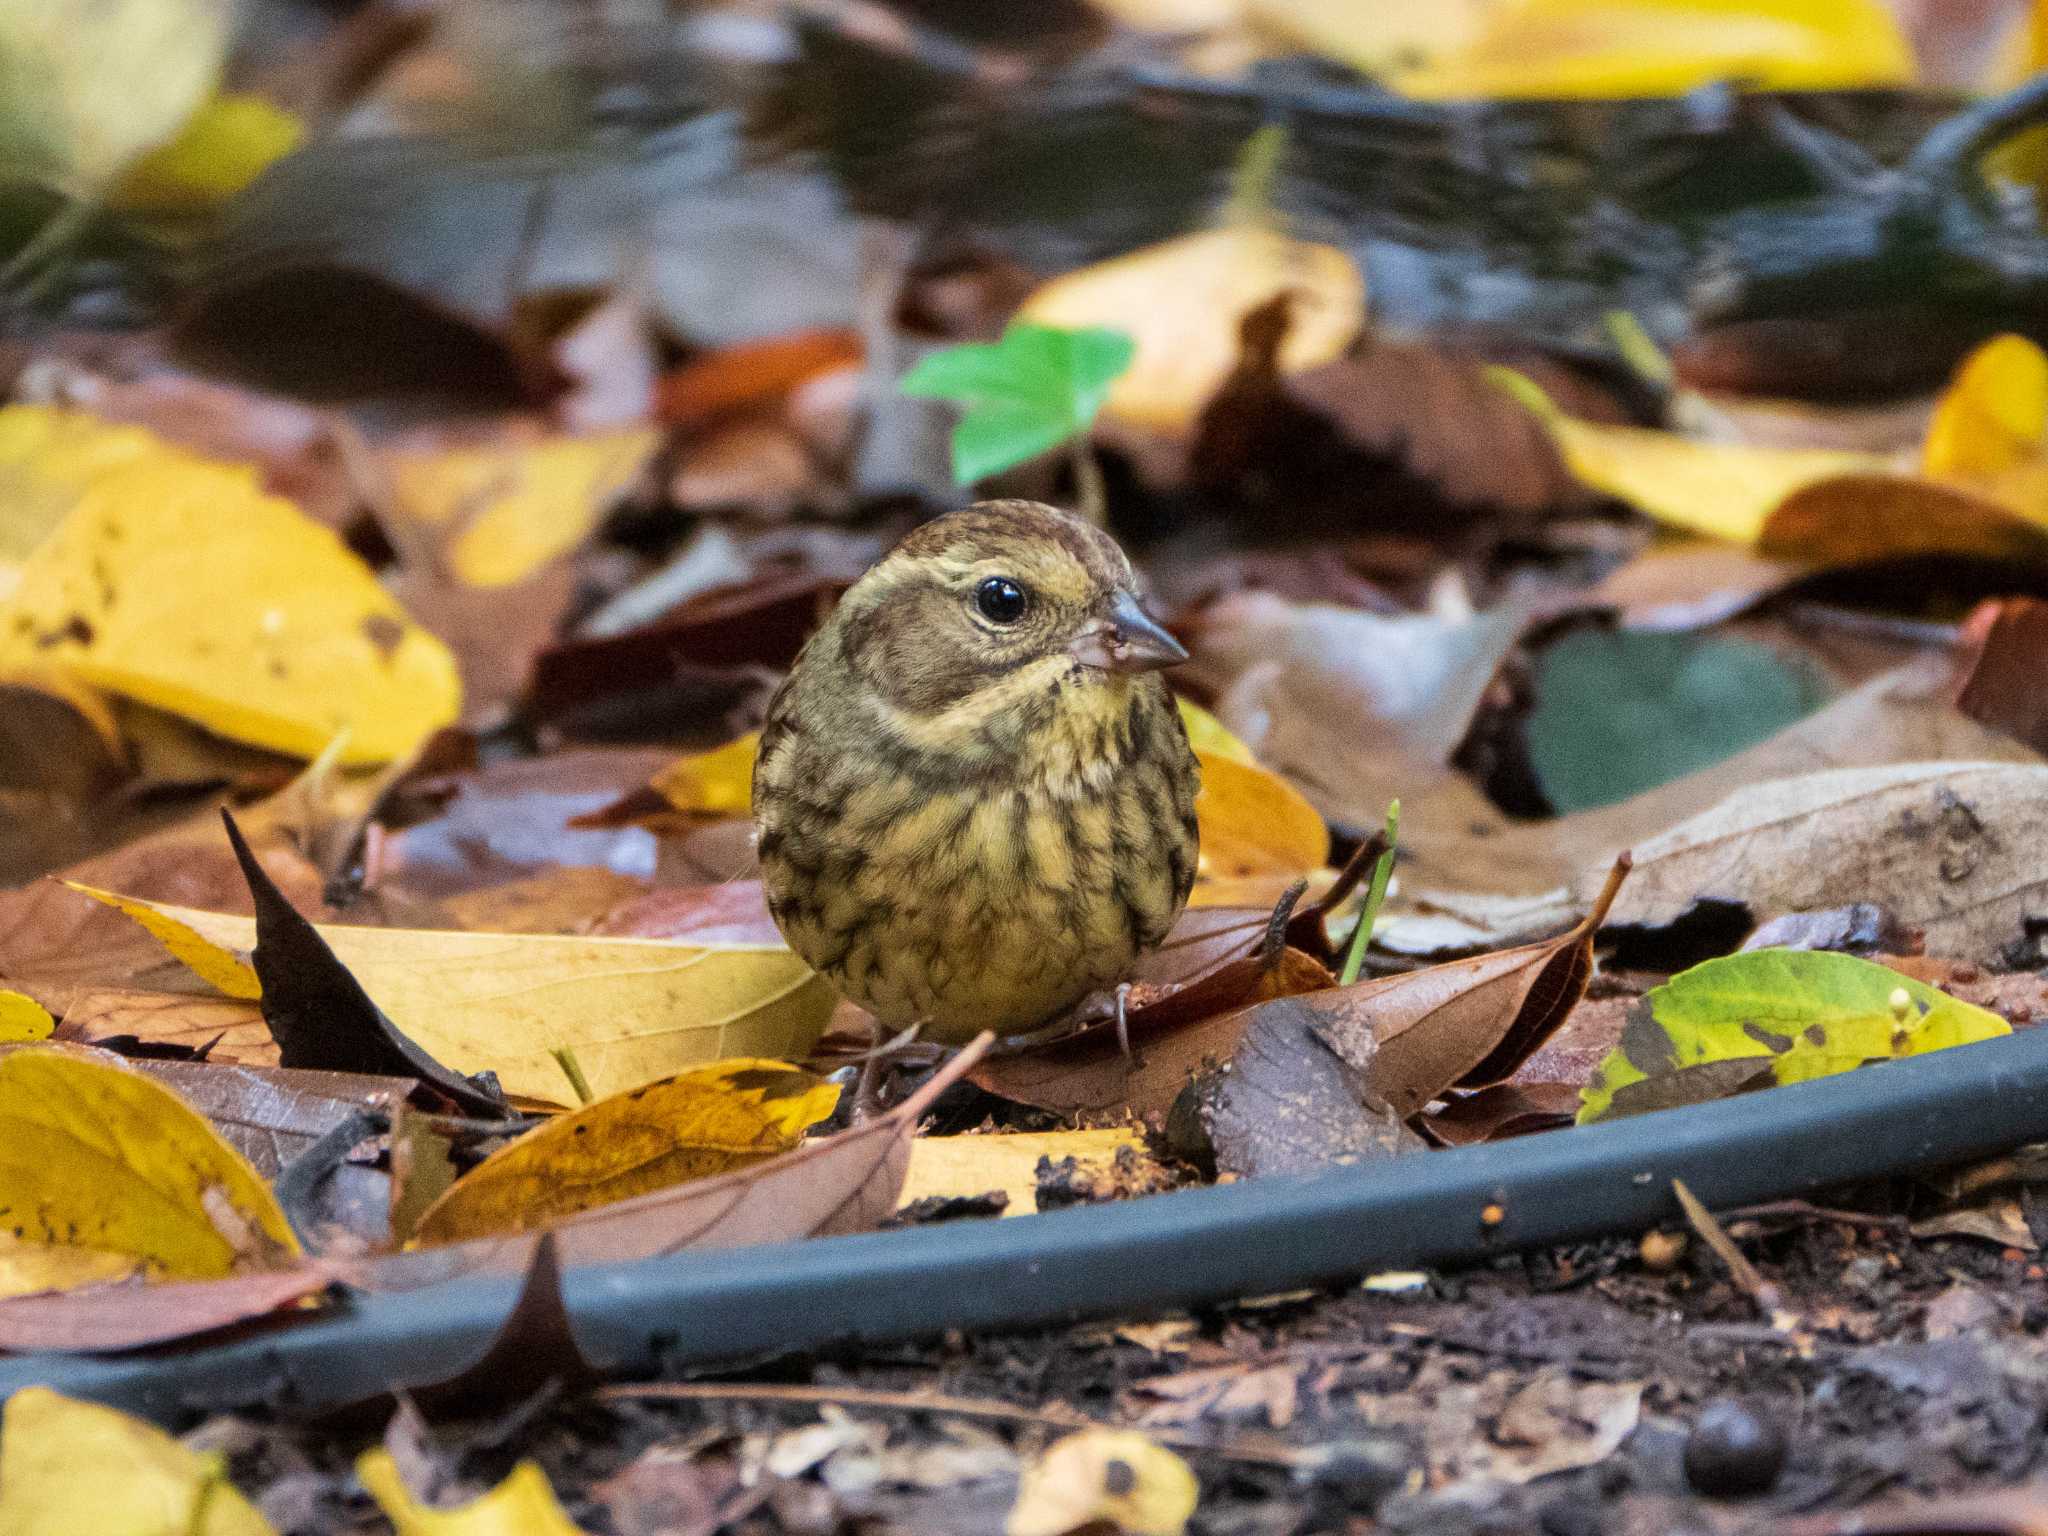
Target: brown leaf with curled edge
[
  {"x": 1998, "y": 673},
  {"x": 845, "y": 1183},
  {"x": 129, "y": 1316},
  {"x": 1467, "y": 1024},
  {"x": 1501, "y": 1111}
]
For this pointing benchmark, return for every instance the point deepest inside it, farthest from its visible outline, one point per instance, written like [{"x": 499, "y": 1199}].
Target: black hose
[{"x": 1144, "y": 1256}]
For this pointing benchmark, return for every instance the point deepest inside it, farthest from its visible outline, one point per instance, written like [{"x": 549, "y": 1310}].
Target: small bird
[{"x": 974, "y": 794}]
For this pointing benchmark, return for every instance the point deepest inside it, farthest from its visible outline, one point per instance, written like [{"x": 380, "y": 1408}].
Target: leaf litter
[{"x": 584, "y": 549}]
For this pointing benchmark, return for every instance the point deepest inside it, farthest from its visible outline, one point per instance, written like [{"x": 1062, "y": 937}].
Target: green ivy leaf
[
  {"x": 1782, "y": 1015},
  {"x": 1025, "y": 394}
]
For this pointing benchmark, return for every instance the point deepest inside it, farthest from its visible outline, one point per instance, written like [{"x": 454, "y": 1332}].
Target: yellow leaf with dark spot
[
  {"x": 223, "y": 147},
  {"x": 227, "y": 971},
  {"x": 96, "y": 1156},
  {"x": 508, "y": 508},
  {"x": 706, "y": 1121},
  {"x": 179, "y": 582},
  {"x": 27, "y": 1268},
  {"x": 522, "y": 1505},
  {"x": 23, "y": 1018},
  {"x": 1112, "y": 1477},
  {"x": 68, "y": 1468},
  {"x": 716, "y": 783}
]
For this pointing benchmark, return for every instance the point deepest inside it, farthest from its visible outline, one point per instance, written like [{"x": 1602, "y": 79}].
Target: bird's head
[{"x": 999, "y": 605}]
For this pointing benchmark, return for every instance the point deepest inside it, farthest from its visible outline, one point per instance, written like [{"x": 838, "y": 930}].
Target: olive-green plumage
[{"x": 974, "y": 794}]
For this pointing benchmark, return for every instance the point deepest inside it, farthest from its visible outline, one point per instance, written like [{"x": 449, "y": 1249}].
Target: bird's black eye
[{"x": 1000, "y": 600}]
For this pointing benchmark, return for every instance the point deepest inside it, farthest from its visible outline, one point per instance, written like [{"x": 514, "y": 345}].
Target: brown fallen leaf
[
  {"x": 1999, "y": 670},
  {"x": 1466, "y": 1024},
  {"x": 1949, "y": 848},
  {"x": 1353, "y": 708},
  {"x": 129, "y": 1316},
  {"x": 845, "y": 1183},
  {"x": 271, "y": 1114},
  {"x": 1500, "y": 1111}
]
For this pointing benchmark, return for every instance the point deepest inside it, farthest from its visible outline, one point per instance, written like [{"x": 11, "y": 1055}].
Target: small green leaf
[
  {"x": 1799, "y": 1014},
  {"x": 1025, "y": 394}
]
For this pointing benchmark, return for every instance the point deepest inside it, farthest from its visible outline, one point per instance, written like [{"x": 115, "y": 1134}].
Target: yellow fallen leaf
[
  {"x": 28, "y": 1269},
  {"x": 632, "y": 1010},
  {"x": 961, "y": 1166},
  {"x": 1254, "y": 822},
  {"x": 226, "y": 971},
  {"x": 46, "y": 458},
  {"x": 522, "y": 1505},
  {"x": 177, "y": 581},
  {"x": 1630, "y": 48},
  {"x": 1993, "y": 416},
  {"x": 23, "y": 1019},
  {"x": 716, "y": 783},
  {"x": 1114, "y": 1476},
  {"x": 1181, "y": 302},
  {"x": 94, "y": 1155},
  {"x": 1208, "y": 734},
  {"x": 510, "y": 507},
  {"x": 1725, "y": 490},
  {"x": 706, "y": 1121},
  {"x": 69, "y": 1468},
  {"x": 223, "y": 147},
  {"x": 87, "y": 85}
]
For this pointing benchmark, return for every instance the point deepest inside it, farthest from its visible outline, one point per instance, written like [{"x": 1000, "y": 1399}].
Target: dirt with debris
[{"x": 1618, "y": 1387}]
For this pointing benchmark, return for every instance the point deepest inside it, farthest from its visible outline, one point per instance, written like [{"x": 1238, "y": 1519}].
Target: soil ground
[{"x": 1557, "y": 1393}]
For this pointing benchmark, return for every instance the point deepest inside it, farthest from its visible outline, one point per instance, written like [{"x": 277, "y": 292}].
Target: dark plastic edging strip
[{"x": 1147, "y": 1255}]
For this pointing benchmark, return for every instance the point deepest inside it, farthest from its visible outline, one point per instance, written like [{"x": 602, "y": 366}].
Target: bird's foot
[{"x": 868, "y": 1092}]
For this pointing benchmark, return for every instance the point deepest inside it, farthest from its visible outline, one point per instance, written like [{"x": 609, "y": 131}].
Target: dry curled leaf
[
  {"x": 845, "y": 1183},
  {"x": 1947, "y": 847},
  {"x": 694, "y": 1125},
  {"x": 1466, "y": 1024}
]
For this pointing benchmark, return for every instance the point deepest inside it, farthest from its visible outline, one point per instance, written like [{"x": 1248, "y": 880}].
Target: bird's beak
[{"x": 1127, "y": 639}]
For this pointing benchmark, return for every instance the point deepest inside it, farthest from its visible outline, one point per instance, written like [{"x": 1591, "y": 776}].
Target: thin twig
[
  {"x": 1769, "y": 1301},
  {"x": 1263, "y": 1452}
]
